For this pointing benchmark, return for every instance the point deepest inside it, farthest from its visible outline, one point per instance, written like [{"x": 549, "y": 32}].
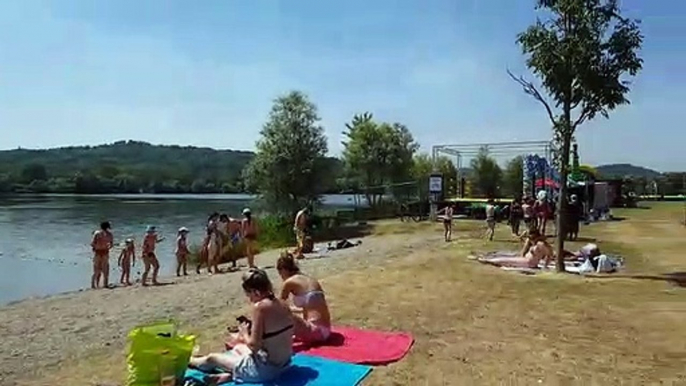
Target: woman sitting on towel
[
  {"x": 535, "y": 249},
  {"x": 308, "y": 296},
  {"x": 262, "y": 349}
]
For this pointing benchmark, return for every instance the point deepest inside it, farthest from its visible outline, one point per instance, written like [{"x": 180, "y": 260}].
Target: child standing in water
[
  {"x": 149, "y": 258},
  {"x": 182, "y": 252},
  {"x": 127, "y": 259}
]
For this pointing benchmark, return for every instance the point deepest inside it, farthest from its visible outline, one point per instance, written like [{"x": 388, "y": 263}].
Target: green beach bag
[{"x": 158, "y": 355}]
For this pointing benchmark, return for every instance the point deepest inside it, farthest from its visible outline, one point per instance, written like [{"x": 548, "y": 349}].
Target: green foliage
[
  {"x": 123, "y": 167},
  {"x": 513, "y": 177},
  {"x": 377, "y": 154},
  {"x": 289, "y": 169},
  {"x": 486, "y": 174},
  {"x": 581, "y": 54},
  {"x": 422, "y": 168}
]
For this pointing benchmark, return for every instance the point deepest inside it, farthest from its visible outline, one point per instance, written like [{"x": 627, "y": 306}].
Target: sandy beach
[{"x": 38, "y": 335}]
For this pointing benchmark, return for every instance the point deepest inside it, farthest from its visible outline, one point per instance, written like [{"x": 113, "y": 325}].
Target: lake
[{"x": 44, "y": 240}]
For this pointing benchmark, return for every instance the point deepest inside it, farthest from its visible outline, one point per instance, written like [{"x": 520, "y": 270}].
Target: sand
[{"x": 37, "y": 335}]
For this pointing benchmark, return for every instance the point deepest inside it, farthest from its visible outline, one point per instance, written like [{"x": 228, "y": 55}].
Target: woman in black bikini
[
  {"x": 249, "y": 231},
  {"x": 263, "y": 347}
]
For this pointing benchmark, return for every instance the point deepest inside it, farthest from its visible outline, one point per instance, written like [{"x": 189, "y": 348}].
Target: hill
[
  {"x": 623, "y": 170},
  {"x": 124, "y": 167}
]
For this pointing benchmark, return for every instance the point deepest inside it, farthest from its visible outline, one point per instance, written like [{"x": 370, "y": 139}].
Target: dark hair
[
  {"x": 535, "y": 233},
  {"x": 223, "y": 217},
  {"x": 257, "y": 280},
  {"x": 213, "y": 216},
  {"x": 105, "y": 225},
  {"x": 286, "y": 262}
]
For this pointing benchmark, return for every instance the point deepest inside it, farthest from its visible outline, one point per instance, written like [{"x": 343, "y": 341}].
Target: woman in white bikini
[
  {"x": 308, "y": 298},
  {"x": 263, "y": 347},
  {"x": 535, "y": 249},
  {"x": 447, "y": 222}
]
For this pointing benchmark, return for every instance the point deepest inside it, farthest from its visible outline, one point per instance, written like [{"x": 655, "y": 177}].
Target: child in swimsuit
[
  {"x": 127, "y": 259},
  {"x": 182, "y": 251},
  {"x": 490, "y": 219}
]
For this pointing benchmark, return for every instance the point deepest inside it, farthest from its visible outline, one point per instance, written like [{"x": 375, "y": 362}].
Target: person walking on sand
[
  {"x": 127, "y": 259},
  {"x": 447, "y": 222},
  {"x": 101, "y": 244},
  {"x": 249, "y": 232},
  {"x": 299, "y": 226},
  {"x": 490, "y": 218},
  {"x": 182, "y": 251},
  {"x": 150, "y": 241}
]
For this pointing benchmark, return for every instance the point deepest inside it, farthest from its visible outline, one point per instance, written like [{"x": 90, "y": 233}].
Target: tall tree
[
  {"x": 289, "y": 164},
  {"x": 513, "y": 178},
  {"x": 487, "y": 175},
  {"x": 377, "y": 154},
  {"x": 581, "y": 53}
]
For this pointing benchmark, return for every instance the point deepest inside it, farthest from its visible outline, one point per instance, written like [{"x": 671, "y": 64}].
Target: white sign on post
[{"x": 436, "y": 184}]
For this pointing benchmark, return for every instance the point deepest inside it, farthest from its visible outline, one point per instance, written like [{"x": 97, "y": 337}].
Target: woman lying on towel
[
  {"x": 535, "y": 249},
  {"x": 263, "y": 347},
  {"x": 308, "y": 297}
]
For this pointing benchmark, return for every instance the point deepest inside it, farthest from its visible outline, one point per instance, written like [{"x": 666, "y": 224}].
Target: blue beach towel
[{"x": 308, "y": 370}]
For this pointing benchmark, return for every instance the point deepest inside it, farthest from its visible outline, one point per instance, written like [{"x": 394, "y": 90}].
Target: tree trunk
[{"x": 562, "y": 199}]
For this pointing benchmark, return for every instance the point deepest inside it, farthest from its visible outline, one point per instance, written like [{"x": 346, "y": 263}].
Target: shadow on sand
[{"x": 676, "y": 278}]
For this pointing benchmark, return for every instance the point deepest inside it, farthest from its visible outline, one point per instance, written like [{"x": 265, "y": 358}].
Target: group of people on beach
[{"x": 220, "y": 231}]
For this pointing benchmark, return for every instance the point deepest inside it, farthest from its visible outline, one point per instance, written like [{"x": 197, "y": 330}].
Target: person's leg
[
  {"x": 178, "y": 264},
  {"x": 155, "y": 269},
  {"x": 450, "y": 230},
  {"x": 96, "y": 272},
  {"x": 251, "y": 253},
  {"x": 491, "y": 229},
  {"x": 146, "y": 270},
  {"x": 127, "y": 273},
  {"x": 515, "y": 262},
  {"x": 105, "y": 264},
  {"x": 184, "y": 264}
]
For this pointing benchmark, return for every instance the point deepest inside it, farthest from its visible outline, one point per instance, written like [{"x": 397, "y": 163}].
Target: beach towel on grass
[
  {"x": 359, "y": 346},
  {"x": 306, "y": 370}
]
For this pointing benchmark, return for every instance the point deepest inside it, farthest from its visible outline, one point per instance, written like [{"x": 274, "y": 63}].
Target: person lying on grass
[
  {"x": 308, "y": 297},
  {"x": 535, "y": 249},
  {"x": 263, "y": 347}
]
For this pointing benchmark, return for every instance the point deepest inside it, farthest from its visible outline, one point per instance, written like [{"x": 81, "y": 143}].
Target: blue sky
[{"x": 205, "y": 73}]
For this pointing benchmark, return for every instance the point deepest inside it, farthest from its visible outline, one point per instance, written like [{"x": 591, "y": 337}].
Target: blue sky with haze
[{"x": 205, "y": 73}]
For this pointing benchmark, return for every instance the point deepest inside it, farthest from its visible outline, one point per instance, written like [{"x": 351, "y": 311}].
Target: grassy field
[{"x": 476, "y": 324}]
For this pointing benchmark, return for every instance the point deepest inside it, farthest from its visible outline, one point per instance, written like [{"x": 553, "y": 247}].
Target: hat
[
  {"x": 128, "y": 241},
  {"x": 246, "y": 211},
  {"x": 150, "y": 229},
  {"x": 183, "y": 229},
  {"x": 573, "y": 197}
]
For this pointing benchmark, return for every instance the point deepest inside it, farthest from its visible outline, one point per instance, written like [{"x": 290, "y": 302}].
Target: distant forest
[
  {"x": 140, "y": 167},
  {"x": 126, "y": 167}
]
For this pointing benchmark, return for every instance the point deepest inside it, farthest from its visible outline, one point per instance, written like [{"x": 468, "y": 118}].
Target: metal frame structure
[{"x": 543, "y": 148}]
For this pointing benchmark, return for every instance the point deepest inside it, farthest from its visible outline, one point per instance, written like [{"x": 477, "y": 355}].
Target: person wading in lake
[
  {"x": 249, "y": 232},
  {"x": 299, "y": 226},
  {"x": 150, "y": 241},
  {"x": 101, "y": 243}
]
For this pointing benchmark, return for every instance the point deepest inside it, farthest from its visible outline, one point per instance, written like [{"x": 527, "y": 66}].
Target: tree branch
[
  {"x": 530, "y": 89},
  {"x": 585, "y": 113}
]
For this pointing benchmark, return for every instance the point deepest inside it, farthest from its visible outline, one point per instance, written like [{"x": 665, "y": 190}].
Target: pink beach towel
[{"x": 353, "y": 345}]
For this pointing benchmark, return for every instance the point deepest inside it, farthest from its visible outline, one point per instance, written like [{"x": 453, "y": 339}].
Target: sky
[{"x": 205, "y": 73}]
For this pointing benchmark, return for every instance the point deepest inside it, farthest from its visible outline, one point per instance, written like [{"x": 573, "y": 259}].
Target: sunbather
[
  {"x": 263, "y": 347},
  {"x": 535, "y": 249},
  {"x": 308, "y": 298}
]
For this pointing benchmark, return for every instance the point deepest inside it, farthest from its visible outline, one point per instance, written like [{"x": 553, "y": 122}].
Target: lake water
[{"x": 44, "y": 240}]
